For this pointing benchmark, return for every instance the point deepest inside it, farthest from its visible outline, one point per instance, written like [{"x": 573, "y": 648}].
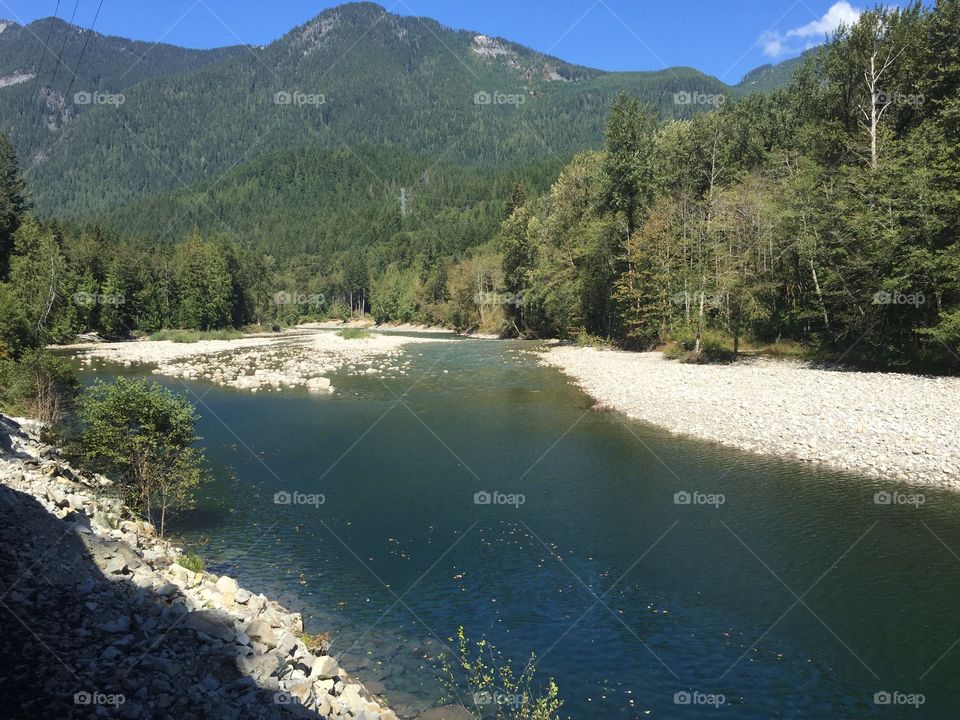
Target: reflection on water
[{"x": 798, "y": 596}]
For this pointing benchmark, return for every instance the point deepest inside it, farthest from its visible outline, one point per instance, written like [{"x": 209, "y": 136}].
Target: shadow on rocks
[{"x": 80, "y": 643}]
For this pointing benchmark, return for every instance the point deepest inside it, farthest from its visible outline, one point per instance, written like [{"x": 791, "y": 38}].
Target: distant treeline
[{"x": 824, "y": 215}]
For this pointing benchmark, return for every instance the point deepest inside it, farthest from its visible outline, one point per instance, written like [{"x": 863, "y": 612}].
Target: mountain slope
[
  {"x": 33, "y": 110},
  {"x": 353, "y": 74},
  {"x": 769, "y": 77}
]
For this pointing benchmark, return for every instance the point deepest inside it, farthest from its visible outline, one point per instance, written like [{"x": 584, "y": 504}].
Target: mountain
[
  {"x": 355, "y": 73},
  {"x": 769, "y": 77},
  {"x": 33, "y": 110}
]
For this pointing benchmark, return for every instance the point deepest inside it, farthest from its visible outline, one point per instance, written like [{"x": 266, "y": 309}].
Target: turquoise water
[{"x": 797, "y": 597}]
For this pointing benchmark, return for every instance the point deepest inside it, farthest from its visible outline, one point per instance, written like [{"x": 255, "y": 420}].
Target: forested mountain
[
  {"x": 33, "y": 84},
  {"x": 821, "y": 217},
  {"x": 769, "y": 77},
  {"x": 353, "y": 74},
  {"x": 326, "y": 201}
]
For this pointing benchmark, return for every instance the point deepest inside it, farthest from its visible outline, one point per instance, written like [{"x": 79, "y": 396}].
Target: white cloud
[{"x": 776, "y": 44}]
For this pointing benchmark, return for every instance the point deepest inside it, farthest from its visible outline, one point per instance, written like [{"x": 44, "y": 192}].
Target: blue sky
[{"x": 723, "y": 38}]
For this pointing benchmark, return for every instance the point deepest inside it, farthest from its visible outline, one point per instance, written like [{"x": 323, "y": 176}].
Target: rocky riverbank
[
  {"x": 885, "y": 425},
  {"x": 102, "y": 620},
  {"x": 268, "y": 363}
]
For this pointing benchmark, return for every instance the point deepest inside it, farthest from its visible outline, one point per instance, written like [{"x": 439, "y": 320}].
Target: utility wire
[
  {"x": 83, "y": 51},
  {"x": 43, "y": 51},
  {"x": 63, "y": 45}
]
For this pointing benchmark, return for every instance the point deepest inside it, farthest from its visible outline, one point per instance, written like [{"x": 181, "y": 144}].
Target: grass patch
[
  {"x": 193, "y": 562},
  {"x": 192, "y": 336},
  {"x": 353, "y": 333},
  {"x": 585, "y": 339},
  {"x": 317, "y": 644}
]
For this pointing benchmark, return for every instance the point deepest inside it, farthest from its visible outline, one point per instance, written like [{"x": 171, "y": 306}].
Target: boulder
[
  {"x": 211, "y": 626},
  {"x": 261, "y": 631},
  {"x": 324, "y": 668},
  {"x": 227, "y": 584}
]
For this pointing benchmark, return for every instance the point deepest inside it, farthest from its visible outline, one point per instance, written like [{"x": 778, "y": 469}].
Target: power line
[
  {"x": 66, "y": 35},
  {"x": 43, "y": 51},
  {"x": 83, "y": 51},
  {"x": 63, "y": 45}
]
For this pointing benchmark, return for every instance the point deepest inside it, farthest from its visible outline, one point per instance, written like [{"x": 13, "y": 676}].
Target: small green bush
[
  {"x": 353, "y": 333},
  {"x": 38, "y": 385},
  {"x": 193, "y": 562},
  {"x": 192, "y": 336},
  {"x": 585, "y": 339}
]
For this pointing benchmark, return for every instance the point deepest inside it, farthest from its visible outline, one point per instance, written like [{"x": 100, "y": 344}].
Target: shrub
[
  {"x": 353, "y": 333},
  {"x": 192, "y": 336},
  {"x": 141, "y": 434},
  {"x": 193, "y": 562},
  {"x": 493, "y": 685},
  {"x": 39, "y": 385},
  {"x": 318, "y": 644},
  {"x": 585, "y": 339}
]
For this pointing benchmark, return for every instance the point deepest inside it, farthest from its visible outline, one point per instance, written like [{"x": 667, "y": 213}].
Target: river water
[{"x": 780, "y": 591}]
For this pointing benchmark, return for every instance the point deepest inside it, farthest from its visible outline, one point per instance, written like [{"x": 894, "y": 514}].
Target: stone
[
  {"x": 242, "y": 596},
  {"x": 116, "y": 566},
  {"x": 227, "y": 584},
  {"x": 301, "y": 689},
  {"x": 324, "y": 668},
  {"x": 324, "y": 687},
  {"x": 261, "y": 631},
  {"x": 258, "y": 666},
  {"x": 286, "y": 644},
  {"x": 211, "y": 626}
]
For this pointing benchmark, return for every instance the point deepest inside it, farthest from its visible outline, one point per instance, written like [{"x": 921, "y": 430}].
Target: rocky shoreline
[
  {"x": 270, "y": 363},
  {"x": 883, "y": 425},
  {"x": 104, "y": 621}
]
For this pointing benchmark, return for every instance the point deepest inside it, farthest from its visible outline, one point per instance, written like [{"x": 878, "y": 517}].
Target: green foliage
[
  {"x": 825, "y": 216},
  {"x": 38, "y": 385},
  {"x": 494, "y": 688},
  {"x": 354, "y": 333},
  {"x": 192, "y": 336},
  {"x": 13, "y": 202},
  {"x": 387, "y": 67},
  {"x": 193, "y": 562},
  {"x": 141, "y": 435}
]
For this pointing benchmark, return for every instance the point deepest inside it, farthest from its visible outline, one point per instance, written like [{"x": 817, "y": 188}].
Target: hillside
[
  {"x": 33, "y": 111},
  {"x": 353, "y": 74},
  {"x": 767, "y": 78}
]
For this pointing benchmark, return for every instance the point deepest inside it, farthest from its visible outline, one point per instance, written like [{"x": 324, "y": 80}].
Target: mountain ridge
[{"x": 354, "y": 73}]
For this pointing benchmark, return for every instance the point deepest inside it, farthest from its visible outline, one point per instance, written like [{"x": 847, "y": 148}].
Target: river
[{"x": 779, "y": 591}]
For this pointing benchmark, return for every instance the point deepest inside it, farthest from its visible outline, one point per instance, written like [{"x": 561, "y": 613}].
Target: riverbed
[{"x": 652, "y": 575}]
